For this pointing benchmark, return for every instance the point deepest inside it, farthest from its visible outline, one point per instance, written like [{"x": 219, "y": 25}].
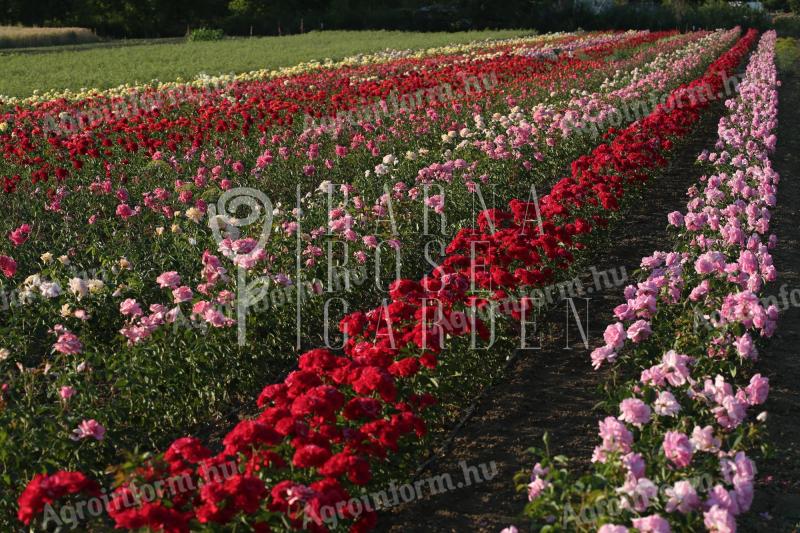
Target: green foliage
[
  {"x": 787, "y": 25},
  {"x": 206, "y": 34},
  {"x": 787, "y": 54}
]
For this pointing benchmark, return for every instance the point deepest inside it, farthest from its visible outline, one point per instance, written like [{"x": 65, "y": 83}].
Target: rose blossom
[
  {"x": 130, "y": 307},
  {"x": 639, "y": 331},
  {"x": 169, "y": 280},
  {"x": 677, "y": 448},
  {"x": 634, "y": 411},
  {"x": 89, "y": 428},
  {"x": 682, "y": 497}
]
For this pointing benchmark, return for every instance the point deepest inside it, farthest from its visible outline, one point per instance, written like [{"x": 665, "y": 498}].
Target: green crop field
[{"x": 103, "y": 66}]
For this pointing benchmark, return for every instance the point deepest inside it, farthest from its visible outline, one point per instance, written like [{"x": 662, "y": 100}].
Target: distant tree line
[{"x": 166, "y": 18}]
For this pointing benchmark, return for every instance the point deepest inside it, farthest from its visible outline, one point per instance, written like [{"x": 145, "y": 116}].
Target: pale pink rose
[
  {"x": 758, "y": 390},
  {"x": 731, "y": 411},
  {"x": 745, "y": 347},
  {"x": 719, "y": 520},
  {"x": 435, "y": 202},
  {"x": 703, "y": 439},
  {"x": 89, "y": 428},
  {"x": 68, "y": 343},
  {"x": 699, "y": 291},
  {"x": 675, "y": 218},
  {"x": 602, "y": 354},
  {"x": 611, "y": 528},
  {"x": 616, "y": 437},
  {"x": 130, "y": 307},
  {"x": 652, "y": 524},
  {"x": 182, "y": 294},
  {"x": 723, "y": 498},
  {"x": 536, "y": 487},
  {"x": 682, "y": 497},
  {"x": 677, "y": 448},
  {"x": 614, "y": 335},
  {"x": 634, "y": 463},
  {"x": 748, "y": 262},
  {"x": 639, "y": 331},
  {"x": 676, "y": 367},
  {"x": 634, "y": 411},
  {"x": 623, "y": 312},
  {"x": 639, "y": 491},
  {"x": 215, "y": 318},
  {"x": 169, "y": 280},
  {"x": 538, "y": 471},
  {"x": 666, "y": 404}
]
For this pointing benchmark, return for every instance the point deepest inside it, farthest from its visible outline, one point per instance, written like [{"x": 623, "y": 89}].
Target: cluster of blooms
[
  {"x": 210, "y": 173},
  {"x": 350, "y": 221},
  {"x": 354, "y": 217},
  {"x": 149, "y": 123},
  {"x": 324, "y": 430},
  {"x": 685, "y": 418},
  {"x": 153, "y": 171},
  {"x": 550, "y": 121}
]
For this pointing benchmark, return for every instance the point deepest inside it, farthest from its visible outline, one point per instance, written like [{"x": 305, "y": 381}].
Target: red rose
[{"x": 310, "y": 455}]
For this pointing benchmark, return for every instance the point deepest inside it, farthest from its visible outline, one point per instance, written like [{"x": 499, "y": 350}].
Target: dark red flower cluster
[{"x": 43, "y": 490}]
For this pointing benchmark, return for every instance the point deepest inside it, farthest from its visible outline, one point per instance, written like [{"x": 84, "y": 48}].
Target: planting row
[{"x": 675, "y": 457}]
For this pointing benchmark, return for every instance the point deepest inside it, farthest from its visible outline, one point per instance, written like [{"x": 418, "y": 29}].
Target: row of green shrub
[{"x": 161, "y": 18}]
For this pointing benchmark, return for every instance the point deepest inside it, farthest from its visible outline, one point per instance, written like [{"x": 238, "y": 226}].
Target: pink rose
[
  {"x": 20, "y": 235},
  {"x": 182, "y": 294},
  {"x": 652, "y": 524},
  {"x": 675, "y": 218},
  {"x": 634, "y": 411},
  {"x": 611, "y": 528},
  {"x": 124, "y": 211},
  {"x": 68, "y": 343},
  {"x": 758, "y": 390},
  {"x": 130, "y": 307},
  {"x": 677, "y": 448},
  {"x": 67, "y": 392},
  {"x": 89, "y": 428},
  {"x": 639, "y": 331},
  {"x": 682, "y": 497},
  {"x": 719, "y": 520},
  {"x": 8, "y": 266},
  {"x": 614, "y": 335},
  {"x": 169, "y": 280}
]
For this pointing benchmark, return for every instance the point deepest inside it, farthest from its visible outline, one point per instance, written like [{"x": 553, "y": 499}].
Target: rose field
[{"x": 514, "y": 282}]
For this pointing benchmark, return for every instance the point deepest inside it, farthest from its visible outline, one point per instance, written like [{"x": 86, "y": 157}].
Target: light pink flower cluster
[{"x": 725, "y": 266}]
